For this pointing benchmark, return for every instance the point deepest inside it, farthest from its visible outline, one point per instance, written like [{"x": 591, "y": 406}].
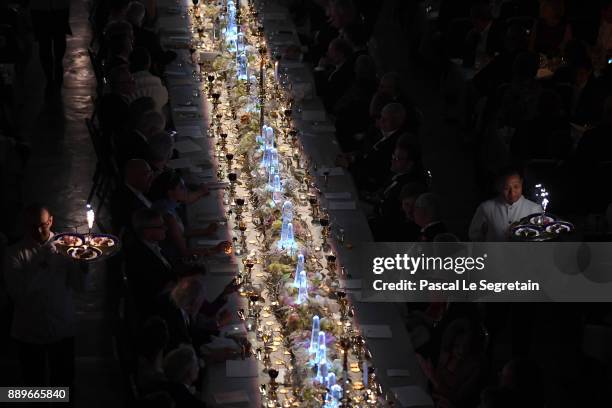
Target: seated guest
[
  {"x": 135, "y": 144},
  {"x": 150, "y": 275},
  {"x": 131, "y": 195},
  {"x": 372, "y": 168},
  {"x": 161, "y": 147},
  {"x": 137, "y": 108},
  {"x": 484, "y": 40},
  {"x": 182, "y": 369},
  {"x": 493, "y": 217},
  {"x": 406, "y": 167},
  {"x": 167, "y": 193},
  {"x": 146, "y": 38},
  {"x": 457, "y": 375},
  {"x": 499, "y": 70},
  {"x": 118, "y": 54},
  {"x": 105, "y": 12},
  {"x": 115, "y": 29},
  {"x": 519, "y": 102},
  {"x": 390, "y": 90},
  {"x": 428, "y": 216},
  {"x": 595, "y": 145},
  {"x": 146, "y": 84},
  {"x": 335, "y": 72},
  {"x": 114, "y": 105},
  {"x": 588, "y": 94},
  {"x": 407, "y": 230},
  {"x": 592, "y": 157},
  {"x": 342, "y": 13},
  {"x": 356, "y": 34},
  {"x": 352, "y": 109},
  {"x": 154, "y": 338},
  {"x": 547, "y": 136},
  {"x": 41, "y": 284},
  {"x": 551, "y": 31},
  {"x": 188, "y": 314}
]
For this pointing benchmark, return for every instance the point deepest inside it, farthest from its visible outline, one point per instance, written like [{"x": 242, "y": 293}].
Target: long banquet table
[{"x": 191, "y": 110}]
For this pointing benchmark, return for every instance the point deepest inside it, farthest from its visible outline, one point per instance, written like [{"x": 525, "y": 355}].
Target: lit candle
[
  {"x": 90, "y": 217},
  {"x": 276, "y": 71}
]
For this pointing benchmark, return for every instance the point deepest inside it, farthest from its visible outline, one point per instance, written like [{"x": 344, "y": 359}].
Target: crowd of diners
[{"x": 537, "y": 106}]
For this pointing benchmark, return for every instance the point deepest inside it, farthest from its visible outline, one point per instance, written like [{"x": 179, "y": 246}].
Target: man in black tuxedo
[
  {"x": 335, "y": 72},
  {"x": 427, "y": 215},
  {"x": 135, "y": 143},
  {"x": 406, "y": 168},
  {"x": 148, "y": 39},
  {"x": 499, "y": 70},
  {"x": 486, "y": 36},
  {"x": 150, "y": 275},
  {"x": 130, "y": 196},
  {"x": 372, "y": 168}
]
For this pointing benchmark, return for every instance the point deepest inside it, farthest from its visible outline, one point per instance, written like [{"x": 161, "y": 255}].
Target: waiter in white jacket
[
  {"x": 493, "y": 217},
  {"x": 40, "y": 283}
]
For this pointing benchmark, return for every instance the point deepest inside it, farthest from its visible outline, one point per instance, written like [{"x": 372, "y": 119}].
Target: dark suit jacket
[
  {"x": 149, "y": 40},
  {"x": 544, "y": 137},
  {"x": 122, "y": 205},
  {"x": 430, "y": 232},
  {"x": 332, "y": 85},
  {"x": 147, "y": 275},
  {"x": 182, "y": 397},
  {"x": 495, "y": 73},
  {"x": 495, "y": 42},
  {"x": 595, "y": 146},
  {"x": 589, "y": 105},
  {"x": 131, "y": 145},
  {"x": 113, "y": 114},
  {"x": 390, "y": 205},
  {"x": 180, "y": 331},
  {"x": 372, "y": 168}
]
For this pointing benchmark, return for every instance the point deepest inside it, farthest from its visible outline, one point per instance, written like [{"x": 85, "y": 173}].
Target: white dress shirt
[
  {"x": 40, "y": 282},
  {"x": 493, "y": 217},
  {"x": 147, "y": 84}
]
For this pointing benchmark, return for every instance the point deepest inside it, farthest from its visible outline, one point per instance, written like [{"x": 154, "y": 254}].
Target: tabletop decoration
[{"x": 296, "y": 316}]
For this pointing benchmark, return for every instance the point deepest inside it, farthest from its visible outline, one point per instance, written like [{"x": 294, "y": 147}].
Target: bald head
[{"x": 138, "y": 175}]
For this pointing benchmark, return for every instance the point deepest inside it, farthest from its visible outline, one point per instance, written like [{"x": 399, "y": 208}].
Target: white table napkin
[{"x": 376, "y": 331}]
